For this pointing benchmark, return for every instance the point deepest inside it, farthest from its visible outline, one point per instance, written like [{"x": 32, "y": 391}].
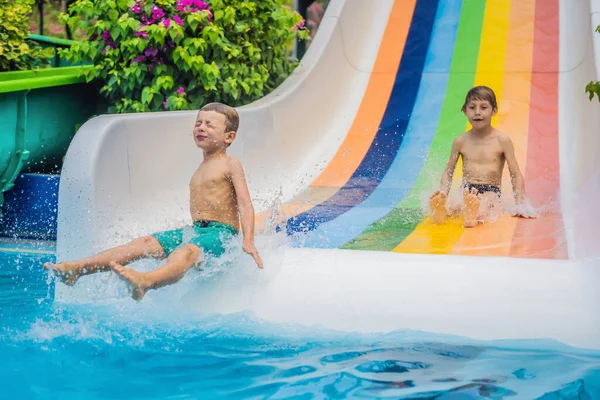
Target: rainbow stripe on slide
[{"x": 373, "y": 193}]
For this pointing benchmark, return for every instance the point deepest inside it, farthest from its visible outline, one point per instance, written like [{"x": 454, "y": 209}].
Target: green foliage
[
  {"x": 16, "y": 52},
  {"x": 181, "y": 54},
  {"x": 593, "y": 88}
]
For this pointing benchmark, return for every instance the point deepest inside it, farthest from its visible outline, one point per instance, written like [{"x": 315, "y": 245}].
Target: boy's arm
[
  {"x": 523, "y": 207},
  {"x": 245, "y": 208},
  {"x": 516, "y": 178},
  {"x": 449, "y": 171}
]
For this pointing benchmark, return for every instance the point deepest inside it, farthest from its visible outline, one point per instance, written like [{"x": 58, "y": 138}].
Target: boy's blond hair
[
  {"x": 482, "y": 93},
  {"x": 232, "y": 118}
]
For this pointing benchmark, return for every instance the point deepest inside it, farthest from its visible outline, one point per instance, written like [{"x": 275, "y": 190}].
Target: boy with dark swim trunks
[
  {"x": 484, "y": 150},
  {"x": 219, "y": 202}
]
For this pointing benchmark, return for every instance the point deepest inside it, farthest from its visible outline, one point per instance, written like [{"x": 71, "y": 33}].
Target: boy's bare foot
[
  {"x": 67, "y": 272},
  {"x": 136, "y": 280},
  {"x": 437, "y": 207},
  {"x": 471, "y": 208}
]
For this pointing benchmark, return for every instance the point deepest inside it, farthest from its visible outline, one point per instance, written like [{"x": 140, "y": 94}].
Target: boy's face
[
  {"x": 210, "y": 132},
  {"x": 480, "y": 113}
]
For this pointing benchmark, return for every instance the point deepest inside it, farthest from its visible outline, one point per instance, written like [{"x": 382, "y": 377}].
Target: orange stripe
[{"x": 513, "y": 119}]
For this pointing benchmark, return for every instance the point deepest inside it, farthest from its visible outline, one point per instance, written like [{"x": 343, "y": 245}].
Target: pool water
[{"x": 120, "y": 349}]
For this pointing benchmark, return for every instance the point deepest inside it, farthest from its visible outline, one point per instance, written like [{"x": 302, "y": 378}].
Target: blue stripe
[
  {"x": 414, "y": 148},
  {"x": 391, "y": 131}
]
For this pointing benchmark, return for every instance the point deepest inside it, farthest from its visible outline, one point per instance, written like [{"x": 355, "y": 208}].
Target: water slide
[{"x": 341, "y": 158}]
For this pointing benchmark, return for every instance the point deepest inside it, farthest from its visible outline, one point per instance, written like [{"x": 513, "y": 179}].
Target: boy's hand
[
  {"x": 525, "y": 210},
  {"x": 251, "y": 249},
  {"x": 525, "y": 214}
]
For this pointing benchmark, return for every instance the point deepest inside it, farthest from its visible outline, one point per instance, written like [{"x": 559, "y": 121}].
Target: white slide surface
[{"x": 127, "y": 175}]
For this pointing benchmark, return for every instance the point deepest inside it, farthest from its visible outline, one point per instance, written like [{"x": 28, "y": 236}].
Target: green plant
[
  {"x": 16, "y": 52},
  {"x": 181, "y": 54},
  {"x": 593, "y": 88}
]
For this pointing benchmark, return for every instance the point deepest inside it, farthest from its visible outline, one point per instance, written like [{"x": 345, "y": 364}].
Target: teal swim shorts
[{"x": 209, "y": 236}]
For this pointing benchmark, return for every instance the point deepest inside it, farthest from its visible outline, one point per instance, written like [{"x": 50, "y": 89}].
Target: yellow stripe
[
  {"x": 431, "y": 239},
  {"x": 490, "y": 72}
]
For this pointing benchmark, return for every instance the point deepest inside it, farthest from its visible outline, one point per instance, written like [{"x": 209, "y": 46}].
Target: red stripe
[{"x": 543, "y": 237}]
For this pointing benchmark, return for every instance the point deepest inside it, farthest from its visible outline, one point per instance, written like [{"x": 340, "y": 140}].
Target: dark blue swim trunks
[{"x": 483, "y": 188}]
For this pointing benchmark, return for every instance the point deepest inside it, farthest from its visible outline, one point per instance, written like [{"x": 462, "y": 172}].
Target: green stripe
[{"x": 389, "y": 231}]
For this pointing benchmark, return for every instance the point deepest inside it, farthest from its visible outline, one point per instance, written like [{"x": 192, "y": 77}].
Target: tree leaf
[
  {"x": 113, "y": 15},
  {"x": 147, "y": 94}
]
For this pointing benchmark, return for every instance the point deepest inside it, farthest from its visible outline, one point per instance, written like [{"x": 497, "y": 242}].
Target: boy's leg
[
  {"x": 437, "y": 207},
  {"x": 139, "y": 248},
  {"x": 178, "y": 263},
  {"x": 471, "y": 209}
]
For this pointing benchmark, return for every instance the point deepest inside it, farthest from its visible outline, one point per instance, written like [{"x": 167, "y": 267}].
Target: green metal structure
[{"x": 39, "y": 114}]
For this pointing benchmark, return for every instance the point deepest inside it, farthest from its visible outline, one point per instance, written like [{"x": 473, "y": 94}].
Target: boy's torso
[
  {"x": 212, "y": 195},
  {"x": 483, "y": 159}
]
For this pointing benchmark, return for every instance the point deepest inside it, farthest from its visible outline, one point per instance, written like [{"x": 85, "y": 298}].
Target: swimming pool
[{"x": 157, "y": 350}]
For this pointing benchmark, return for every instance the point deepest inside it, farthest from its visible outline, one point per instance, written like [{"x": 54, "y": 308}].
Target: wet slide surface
[{"x": 372, "y": 195}]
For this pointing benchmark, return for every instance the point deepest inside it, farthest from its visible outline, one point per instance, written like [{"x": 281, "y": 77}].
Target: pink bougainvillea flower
[
  {"x": 201, "y": 5},
  {"x": 150, "y": 52},
  {"x": 139, "y": 59},
  {"x": 178, "y": 20},
  {"x": 137, "y": 7},
  {"x": 105, "y": 35},
  {"x": 191, "y": 6},
  {"x": 150, "y": 67},
  {"x": 182, "y": 5},
  {"x": 298, "y": 26},
  {"x": 180, "y": 91},
  {"x": 157, "y": 13},
  {"x": 166, "y": 22},
  {"x": 143, "y": 34}
]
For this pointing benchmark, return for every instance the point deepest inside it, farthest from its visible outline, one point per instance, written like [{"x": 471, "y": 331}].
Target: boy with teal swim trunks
[{"x": 219, "y": 202}]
